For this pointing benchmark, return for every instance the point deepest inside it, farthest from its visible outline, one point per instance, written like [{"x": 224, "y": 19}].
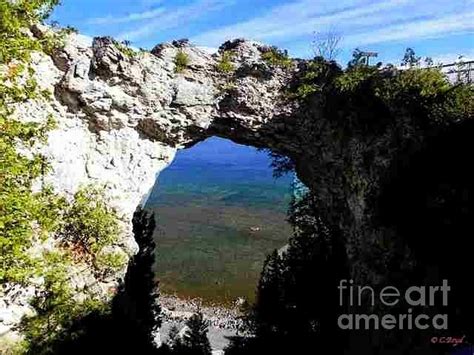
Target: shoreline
[
  {"x": 224, "y": 322},
  {"x": 176, "y": 309}
]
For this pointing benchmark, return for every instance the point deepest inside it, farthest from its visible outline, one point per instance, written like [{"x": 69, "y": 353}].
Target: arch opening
[{"x": 220, "y": 212}]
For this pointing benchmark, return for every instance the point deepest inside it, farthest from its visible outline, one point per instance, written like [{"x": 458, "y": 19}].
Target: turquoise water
[{"x": 220, "y": 211}]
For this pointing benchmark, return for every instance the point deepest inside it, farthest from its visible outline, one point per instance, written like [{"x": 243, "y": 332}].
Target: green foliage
[
  {"x": 55, "y": 306},
  {"x": 410, "y": 59},
  {"x": 295, "y": 302},
  {"x": 226, "y": 88},
  {"x": 88, "y": 227},
  {"x": 127, "y": 326},
  {"x": 27, "y": 217},
  {"x": 354, "y": 77},
  {"x": 422, "y": 83},
  {"x": 277, "y": 57},
  {"x": 315, "y": 77},
  {"x": 458, "y": 104},
  {"x": 304, "y": 90},
  {"x": 424, "y": 92},
  {"x": 22, "y": 212},
  {"x": 15, "y": 17},
  {"x": 125, "y": 48},
  {"x": 85, "y": 228},
  {"x": 195, "y": 341},
  {"x": 225, "y": 65},
  {"x": 357, "y": 58},
  {"x": 181, "y": 61},
  {"x": 110, "y": 262},
  {"x": 89, "y": 224}
]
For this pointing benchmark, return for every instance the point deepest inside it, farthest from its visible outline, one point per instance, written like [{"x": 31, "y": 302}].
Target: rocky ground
[{"x": 223, "y": 322}]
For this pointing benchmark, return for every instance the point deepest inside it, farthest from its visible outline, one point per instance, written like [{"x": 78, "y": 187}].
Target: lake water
[{"x": 219, "y": 212}]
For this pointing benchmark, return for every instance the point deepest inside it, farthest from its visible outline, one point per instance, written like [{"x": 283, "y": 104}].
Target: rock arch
[{"x": 122, "y": 117}]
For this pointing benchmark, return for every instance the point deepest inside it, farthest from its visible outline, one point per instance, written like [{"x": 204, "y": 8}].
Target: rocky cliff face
[{"x": 121, "y": 116}]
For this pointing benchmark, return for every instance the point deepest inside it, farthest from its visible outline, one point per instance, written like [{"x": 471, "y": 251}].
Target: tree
[
  {"x": 410, "y": 59},
  {"x": 358, "y": 58},
  {"x": 326, "y": 45},
  {"x": 139, "y": 297},
  {"x": 296, "y": 297},
  {"x": 129, "y": 326},
  {"x": 195, "y": 339}
]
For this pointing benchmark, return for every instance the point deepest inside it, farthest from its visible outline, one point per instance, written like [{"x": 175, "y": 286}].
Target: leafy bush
[
  {"x": 111, "y": 261},
  {"x": 24, "y": 215},
  {"x": 354, "y": 77},
  {"x": 181, "y": 61},
  {"x": 125, "y": 48},
  {"x": 315, "y": 77},
  {"x": 277, "y": 58},
  {"x": 85, "y": 228},
  {"x": 127, "y": 326},
  {"x": 55, "y": 306},
  {"x": 88, "y": 222},
  {"x": 225, "y": 65}
]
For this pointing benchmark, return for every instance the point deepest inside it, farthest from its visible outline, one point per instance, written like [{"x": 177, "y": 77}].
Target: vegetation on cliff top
[
  {"x": 277, "y": 57},
  {"x": 181, "y": 61},
  {"x": 424, "y": 92},
  {"x": 225, "y": 65}
]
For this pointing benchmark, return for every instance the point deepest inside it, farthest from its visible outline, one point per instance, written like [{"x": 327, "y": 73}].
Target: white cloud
[
  {"x": 453, "y": 24},
  {"x": 109, "y": 20},
  {"x": 175, "y": 17},
  {"x": 298, "y": 19},
  {"x": 359, "y": 21}
]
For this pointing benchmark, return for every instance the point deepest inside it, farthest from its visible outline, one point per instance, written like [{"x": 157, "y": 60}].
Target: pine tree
[
  {"x": 174, "y": 343},
  {"x": 296, "y": 304},
  {"x": 134, "y": 316},
  {"x": 136, "y": 303},
  {"x": 269, "y": 296},
  {"x": 195, "y": 339}
]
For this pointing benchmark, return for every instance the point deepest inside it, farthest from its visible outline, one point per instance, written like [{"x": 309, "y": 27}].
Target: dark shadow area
[
  {"x": 128, "y": 327},
  {"x": 429, "y": 202},
  {"x": 297, "y": 297}
]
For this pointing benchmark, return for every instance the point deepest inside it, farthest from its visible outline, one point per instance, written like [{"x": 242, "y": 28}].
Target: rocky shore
[{"x": 224, "y": 322}]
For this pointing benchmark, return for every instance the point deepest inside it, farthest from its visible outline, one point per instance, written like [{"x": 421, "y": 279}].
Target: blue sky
[{"x": 442, "y": 29}]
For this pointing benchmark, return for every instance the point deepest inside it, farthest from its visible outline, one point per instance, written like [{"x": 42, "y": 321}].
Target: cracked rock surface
[{"x": 121, "y": 118}]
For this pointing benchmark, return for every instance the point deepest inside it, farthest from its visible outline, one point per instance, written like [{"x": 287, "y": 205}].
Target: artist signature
[{"x": 450, "y": 340}]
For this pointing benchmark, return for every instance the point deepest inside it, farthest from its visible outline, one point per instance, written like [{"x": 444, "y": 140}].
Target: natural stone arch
[{"x": 122, "y": 118}]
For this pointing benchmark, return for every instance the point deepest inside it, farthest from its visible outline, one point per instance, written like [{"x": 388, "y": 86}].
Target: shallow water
[{"x": 219, "y": 211}]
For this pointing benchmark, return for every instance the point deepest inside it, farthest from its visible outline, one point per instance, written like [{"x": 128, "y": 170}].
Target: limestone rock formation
[{"x": 121, "y": 115}]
